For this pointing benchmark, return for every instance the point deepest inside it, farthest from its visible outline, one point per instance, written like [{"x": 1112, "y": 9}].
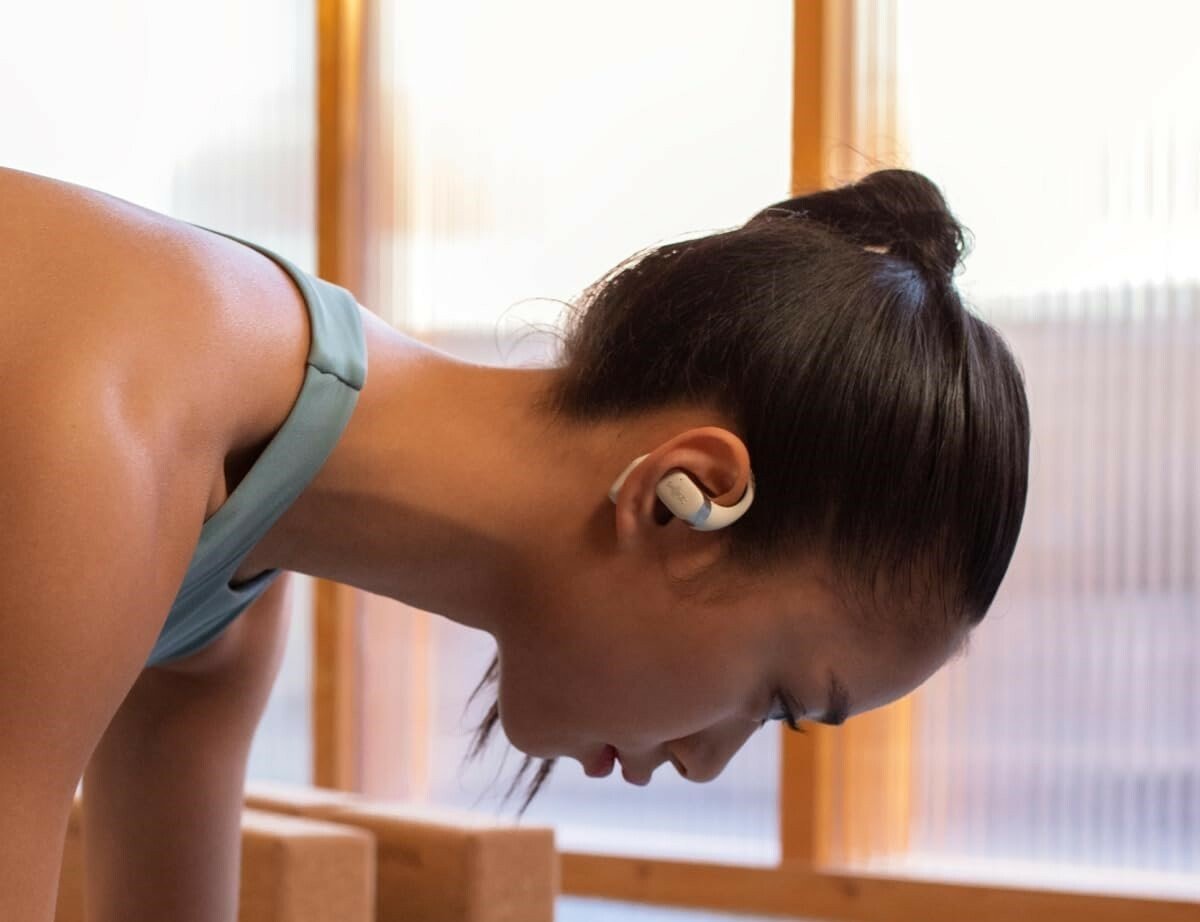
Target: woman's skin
[
  {"x": 448, "y": 491},
  {"x": 147, "y": 364}
]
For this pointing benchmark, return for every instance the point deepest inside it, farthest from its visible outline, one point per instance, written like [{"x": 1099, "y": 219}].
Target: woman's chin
[
  {"x": 527, "y": 740},
  {"x": 533, "y": 747}
]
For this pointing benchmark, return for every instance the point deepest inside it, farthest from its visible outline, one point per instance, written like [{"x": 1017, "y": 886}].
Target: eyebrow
[{"x": 838, "y": 706}]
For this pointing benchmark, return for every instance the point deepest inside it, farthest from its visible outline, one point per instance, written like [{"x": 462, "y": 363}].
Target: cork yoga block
[
  {"x": 294, "y": 869},
  {"x": 437, "y": 864}
]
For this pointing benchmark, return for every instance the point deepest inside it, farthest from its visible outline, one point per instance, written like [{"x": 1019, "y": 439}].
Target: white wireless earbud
[{"x": 680, "y": 494}]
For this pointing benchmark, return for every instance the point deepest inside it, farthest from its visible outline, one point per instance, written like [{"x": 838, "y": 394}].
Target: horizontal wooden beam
[{"x": 798, "y": 892}]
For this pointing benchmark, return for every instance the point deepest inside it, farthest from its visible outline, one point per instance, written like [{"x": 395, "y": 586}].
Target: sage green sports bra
[{"x": 337, "y": 369}]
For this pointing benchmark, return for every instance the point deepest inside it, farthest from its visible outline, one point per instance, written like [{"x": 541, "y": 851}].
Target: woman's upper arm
[
  {"x": 162, "y": 794},
  {"x": 87, "y": 576}
]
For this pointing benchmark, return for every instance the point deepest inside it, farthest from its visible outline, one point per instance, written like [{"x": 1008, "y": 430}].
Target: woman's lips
[
  {"x": 602, "y": 765},
  {"x": 630, "y": 779}
]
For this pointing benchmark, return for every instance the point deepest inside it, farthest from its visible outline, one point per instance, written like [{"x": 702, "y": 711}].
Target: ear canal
[{"x": 687, "y": 501}]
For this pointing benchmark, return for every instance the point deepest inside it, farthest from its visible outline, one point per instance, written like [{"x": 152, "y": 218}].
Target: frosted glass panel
[
  {"x": 1070, "y": 176},
  {"x": 530, "y": 146},
  {"x": 1065, "y": 749},
  {"x": 1070, "y": 734},
  {"x": 204, "y": 112}
]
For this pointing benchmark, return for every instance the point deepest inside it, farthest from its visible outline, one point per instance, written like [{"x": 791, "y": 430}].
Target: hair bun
[{"x": 899, "y": 212}]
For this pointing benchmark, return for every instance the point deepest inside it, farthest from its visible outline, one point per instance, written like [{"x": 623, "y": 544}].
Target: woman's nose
[{"x": 704, "y": 755}]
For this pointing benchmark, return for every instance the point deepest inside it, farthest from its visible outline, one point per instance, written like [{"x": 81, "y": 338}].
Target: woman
[{"x": 190, "y": 416}]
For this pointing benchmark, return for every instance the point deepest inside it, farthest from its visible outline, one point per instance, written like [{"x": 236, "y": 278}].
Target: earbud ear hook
[{"x": 687, "y": 501}]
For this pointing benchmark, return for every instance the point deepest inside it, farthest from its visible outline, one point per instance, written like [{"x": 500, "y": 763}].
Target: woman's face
[{"x": 610, "y": 652}]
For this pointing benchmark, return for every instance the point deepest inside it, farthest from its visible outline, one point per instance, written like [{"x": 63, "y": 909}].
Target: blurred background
[{"x": 470, "y": 166}]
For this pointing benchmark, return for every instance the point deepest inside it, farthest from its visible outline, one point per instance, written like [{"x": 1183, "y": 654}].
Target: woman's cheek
[
  {"x": 531, "y": 713},
  {"x": 515, "y": 718}
]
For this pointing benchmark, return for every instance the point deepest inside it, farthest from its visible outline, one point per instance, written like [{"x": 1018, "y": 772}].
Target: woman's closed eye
[{"x": 784, "y": 713}]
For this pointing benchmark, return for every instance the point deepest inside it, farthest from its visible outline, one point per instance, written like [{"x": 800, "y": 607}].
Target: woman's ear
[
  {"x": 715, "y": 460},
  {"x": 635, "y": 504},
  {"x": 712, "y": 458}
]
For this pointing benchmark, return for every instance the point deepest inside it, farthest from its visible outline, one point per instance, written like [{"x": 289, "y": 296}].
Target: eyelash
[{"x": 789, "y": 717}]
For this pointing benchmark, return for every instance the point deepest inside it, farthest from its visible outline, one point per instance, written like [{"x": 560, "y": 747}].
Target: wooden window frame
[{"x": 337, "y": 608}]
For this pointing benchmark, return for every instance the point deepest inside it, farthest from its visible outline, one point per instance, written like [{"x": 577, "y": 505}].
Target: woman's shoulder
[{"x": 201, "y": 340}]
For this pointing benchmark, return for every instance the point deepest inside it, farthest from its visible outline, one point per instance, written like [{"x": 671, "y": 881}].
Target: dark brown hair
[{"x": 887, "y": 425}]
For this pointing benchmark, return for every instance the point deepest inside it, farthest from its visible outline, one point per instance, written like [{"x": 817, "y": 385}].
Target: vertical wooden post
[
  {"x": 863, "y": 769},
  {"x": 809, "y": 94},
  {"x": 340, "y": 246},
  {"x": 805, "y": 798},
  {"x": 341, "y": 165}
]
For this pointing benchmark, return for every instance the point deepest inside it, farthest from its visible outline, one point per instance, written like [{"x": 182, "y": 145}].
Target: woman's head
[{"x": 823, "y": 346}]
